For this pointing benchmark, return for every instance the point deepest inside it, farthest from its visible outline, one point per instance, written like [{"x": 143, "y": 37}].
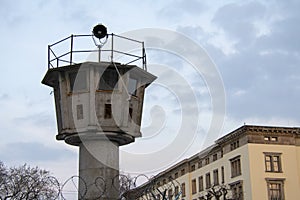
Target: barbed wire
[{"x": 140, "y": 187}]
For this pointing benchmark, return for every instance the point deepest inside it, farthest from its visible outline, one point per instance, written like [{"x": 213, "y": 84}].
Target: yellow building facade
[{"x": 249, "y": 163}]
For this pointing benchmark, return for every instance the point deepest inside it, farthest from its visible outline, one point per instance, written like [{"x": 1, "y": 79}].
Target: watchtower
[{"x": 98, "y": 105}]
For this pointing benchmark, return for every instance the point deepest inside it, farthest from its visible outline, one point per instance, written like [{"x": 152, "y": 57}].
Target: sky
[{"x": 253, "y": 47}]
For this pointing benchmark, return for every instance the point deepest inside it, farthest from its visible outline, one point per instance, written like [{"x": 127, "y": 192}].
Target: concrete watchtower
[{"x": 98, "y": 107}]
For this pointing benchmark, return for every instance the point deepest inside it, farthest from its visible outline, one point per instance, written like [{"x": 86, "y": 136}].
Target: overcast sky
[{"x": 254, "y": 45}]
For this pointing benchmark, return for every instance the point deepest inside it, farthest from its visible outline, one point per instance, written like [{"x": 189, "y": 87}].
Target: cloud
[
  {"x": 176, "y": 10},
  {"x": 237, "y": 20},
  {"x": 261, "y": 73}
]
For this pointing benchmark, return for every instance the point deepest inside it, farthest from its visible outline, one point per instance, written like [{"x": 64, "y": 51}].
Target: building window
[
  {"x": 207, "y": 180},
  {"x": 201, "y": 188},
  {"x": 78, "y": 81},
  {"x": 267, "y": 138},
  {"x": 183, "y": 189},
  {"x": 216, "y": 177},
  {"x": 176, "y": 190},
  {"x": 164, "y": 181},
  {"x": 176, "y": 175},
  {"x": 108, "y": 80},
  {"x": 237, "y": 190},
  {"x": 194, "y": 187},
  {"x": 215, "y": 157},
  {"x": 206, "y": 161},
  {"x": 273, "y": 162},
  {"x": 223, "y": 174},
  {"x": 193, "y": 167},
  {"x": 275, "y": 189},
  {"x": 271, "y": 138},
  {"x": 107, "y": 111},
  {"x": 182, "y": 172},
  {"x": 236, "y": 166},
  {"x": 234, "y": 145},
  {"x": 222, "y": 153},
  {"x": 170, "y": 194},
  {"x": 200, "y": 164}
]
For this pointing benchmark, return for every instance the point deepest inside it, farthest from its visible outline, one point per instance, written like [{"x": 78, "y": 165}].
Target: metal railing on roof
[{"x": 79, "y": 48}]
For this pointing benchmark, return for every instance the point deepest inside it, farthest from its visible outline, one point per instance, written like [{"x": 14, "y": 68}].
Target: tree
[
  {"x": 216, "y": 191},
  {"x": 25, "y": 182}
]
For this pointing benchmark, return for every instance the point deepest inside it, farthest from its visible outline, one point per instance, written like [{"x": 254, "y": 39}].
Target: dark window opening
[
  {"x": 206, "y": 161},
  {"x": 234, "y": 145},
  {"x": 236, "y": 169},
  {"x": 108, "y": 80},
  {"x": 107, "y": 111},
  {"x": 223, "y": 174},
  {"x": 201, "y": 188},
  {"x": 183, "y": 189},
  {"x": 130, "y": 113},
  {"x": 215, "y": 157},
  {"x": 216, "y": 177},
  {"x": 237, "y": 190},
  {"x": 78, "y": 81},
  {"x": 182, "y": 172},
  {"x": 194, "y": 187},
  {"x": 193, "y": 168},
  {"x": 207, "y": 180}
]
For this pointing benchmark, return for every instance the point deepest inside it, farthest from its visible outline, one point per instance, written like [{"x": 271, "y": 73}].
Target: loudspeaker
[{"x": 100, "y": 31}]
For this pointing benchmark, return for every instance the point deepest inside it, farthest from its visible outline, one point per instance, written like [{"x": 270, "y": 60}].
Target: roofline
[
  {"x": 237, "y": 132},
  {"x": 243, "y": 129}
]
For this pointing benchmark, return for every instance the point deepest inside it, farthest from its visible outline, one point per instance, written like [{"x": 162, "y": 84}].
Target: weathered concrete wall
[{"x": 98, "y": 167}]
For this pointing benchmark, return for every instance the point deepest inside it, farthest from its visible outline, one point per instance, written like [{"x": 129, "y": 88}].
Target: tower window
[
  {"x": 108, "y": 80},
  {"x": 132, "y": 86},
  {"x": 79, "y": 109},
  {"x": 107, "y": 111},
  {"x": 78, "y": 81},
  {"x": 130, "y": 112}
]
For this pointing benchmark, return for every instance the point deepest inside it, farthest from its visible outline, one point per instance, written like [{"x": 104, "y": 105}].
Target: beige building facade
[{"x": 249, "y": 163}]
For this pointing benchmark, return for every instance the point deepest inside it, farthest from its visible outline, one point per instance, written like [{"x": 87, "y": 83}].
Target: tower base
[{"x": 98, "y": 170}]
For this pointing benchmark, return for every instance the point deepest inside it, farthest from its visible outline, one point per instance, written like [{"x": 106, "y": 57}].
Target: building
[{"x": 249, "y": 163}]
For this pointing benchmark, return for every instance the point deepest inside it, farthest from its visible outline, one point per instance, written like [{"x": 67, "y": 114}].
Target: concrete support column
[{"x": 98, "y": 168}]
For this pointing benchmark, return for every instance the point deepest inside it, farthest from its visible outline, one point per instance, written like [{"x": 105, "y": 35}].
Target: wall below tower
[{"x": 99, "y": 170}]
